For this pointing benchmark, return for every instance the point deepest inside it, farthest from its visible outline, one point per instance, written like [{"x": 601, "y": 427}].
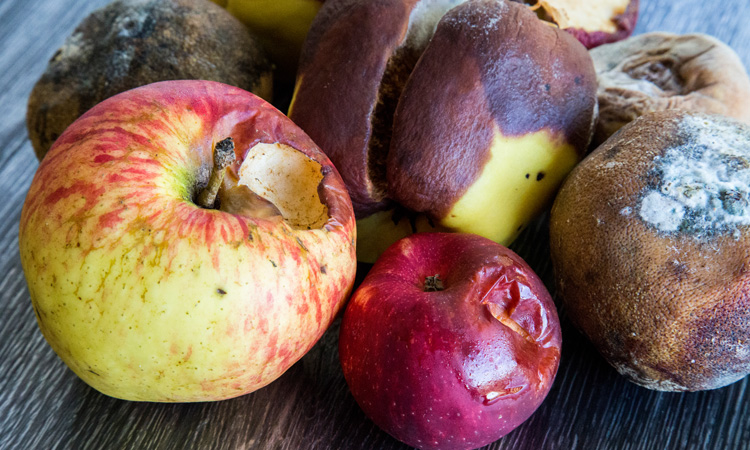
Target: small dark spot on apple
[
  {"x": 578, "y": 81},
  {"x": 547, "y": 87},
  {"x": 323, "y": 270},
  {"x": 273, "y": 263},
  {"x": 301, "y": 244},
  {"x": 539, "y": 176},
  {"x": 528, "y": 175},
  {"x": 221, "y": 291},
  {"x": 91, "y": 371}
]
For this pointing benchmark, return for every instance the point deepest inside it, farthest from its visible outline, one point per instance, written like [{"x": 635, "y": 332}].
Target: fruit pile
[{"x": 184, "y": 240}]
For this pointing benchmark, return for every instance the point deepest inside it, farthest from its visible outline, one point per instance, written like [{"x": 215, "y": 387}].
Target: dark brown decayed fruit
[
  {"x": 658, "y": 71},
  {"x": 457, "y": 115},
  {"x": 651, "y": 249},
  {"x": 130, "y": 43},
  {"x": 354, "y": 64},
  {"x": 498, "y": 80}
]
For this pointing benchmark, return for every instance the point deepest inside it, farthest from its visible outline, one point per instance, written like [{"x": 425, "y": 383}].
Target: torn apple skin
[{"x": 450, "y": 342}]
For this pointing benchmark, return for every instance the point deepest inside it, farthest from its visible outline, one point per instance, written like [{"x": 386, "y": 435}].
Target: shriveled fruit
[
  {"x": 130, "y": 43},
  {"x": 650, "y": 241},
  {"x": 658, "y": 71}
]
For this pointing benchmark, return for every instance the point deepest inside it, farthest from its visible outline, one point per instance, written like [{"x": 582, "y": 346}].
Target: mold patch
[{"x": 703, "y": 184}]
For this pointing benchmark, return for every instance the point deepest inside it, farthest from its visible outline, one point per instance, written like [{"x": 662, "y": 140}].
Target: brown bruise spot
[{"x": 554, "y": 69}]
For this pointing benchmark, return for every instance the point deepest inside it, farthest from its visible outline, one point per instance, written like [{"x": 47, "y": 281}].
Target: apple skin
[
  {"x": 592, "y": 22},
  {"x": 147, "y": 296},
  {"x": 475, "y": 130},
  {"x": 457, "y": 368},
  {"x": 624, "y": 27}
]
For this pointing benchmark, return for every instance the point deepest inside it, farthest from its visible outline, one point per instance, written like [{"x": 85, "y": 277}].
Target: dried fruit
[{"x": 659, "y": 71}]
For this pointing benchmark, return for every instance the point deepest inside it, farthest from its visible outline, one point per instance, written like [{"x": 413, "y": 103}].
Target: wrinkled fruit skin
[
  {"x": 457, "y": 368},
  {"x": 145, "y": 295},
  {"x": 658, "y": 71},
  {"x": 131, "y": 43},
  {"x": 650, "y": 245},
  {"x": 473, "y": 128}
]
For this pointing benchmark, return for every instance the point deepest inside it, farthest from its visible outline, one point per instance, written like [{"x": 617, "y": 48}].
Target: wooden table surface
[{"x": 43, "y": 405}]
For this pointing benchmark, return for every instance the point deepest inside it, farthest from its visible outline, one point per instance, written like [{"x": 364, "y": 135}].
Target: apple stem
[
  {"x": 223, "y": 157},
  {"x": 433, "y": 284}
]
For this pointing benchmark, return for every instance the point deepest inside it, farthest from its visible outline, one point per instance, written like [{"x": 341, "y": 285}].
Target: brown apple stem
[
  {"x": 433, "y": 284},
  {"x": 223, "y": 157}
]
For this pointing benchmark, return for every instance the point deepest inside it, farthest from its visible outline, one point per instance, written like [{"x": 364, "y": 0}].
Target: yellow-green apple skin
[
  {"x": 465, "y": 114},
  {"x": 147, "y": 296}
]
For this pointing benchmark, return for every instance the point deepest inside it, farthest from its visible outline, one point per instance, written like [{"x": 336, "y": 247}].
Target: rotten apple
[
  {"x": 450, "y": 342},
  {"x": 185, "y": 241},
  {"x": 452, "y": 115}
]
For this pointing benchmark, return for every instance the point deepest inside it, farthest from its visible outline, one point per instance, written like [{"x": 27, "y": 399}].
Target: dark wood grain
[{"x": 44, "y": 406}]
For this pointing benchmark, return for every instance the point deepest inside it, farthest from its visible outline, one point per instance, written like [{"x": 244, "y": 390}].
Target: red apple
[
  {"x": 450, "y": 342},
  {"x": 147, "y": 295}
]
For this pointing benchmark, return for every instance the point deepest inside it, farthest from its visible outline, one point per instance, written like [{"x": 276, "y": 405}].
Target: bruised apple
[
  {"x": 450, "y": 342},
  {"x": 450, "y": 115},
  {"x": 185, "y": 241}
]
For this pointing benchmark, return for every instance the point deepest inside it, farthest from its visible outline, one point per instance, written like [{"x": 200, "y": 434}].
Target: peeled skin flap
[
  {"x": 492, "y": 72},
  {"x": 341, "y": 68}
]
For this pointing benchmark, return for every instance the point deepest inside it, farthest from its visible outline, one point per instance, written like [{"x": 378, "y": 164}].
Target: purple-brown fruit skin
[
  {"x": 347, "y": 51},
  {"x": 507, "y": 68},
  {"x": 424, "y": 366}
]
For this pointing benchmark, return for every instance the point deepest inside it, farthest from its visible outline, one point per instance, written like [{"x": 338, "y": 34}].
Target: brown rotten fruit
[
  {"x": 460, "y": 117},
  {"x": 131, "y": 43},
  {"x": 658, "y": 71},
  {"x": 650, "y": 242}
]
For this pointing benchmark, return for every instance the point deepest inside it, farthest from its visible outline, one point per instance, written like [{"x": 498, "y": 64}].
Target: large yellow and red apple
[
  {"x": 147, "y": 295},
  {"x": 455, "y": 115}
]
